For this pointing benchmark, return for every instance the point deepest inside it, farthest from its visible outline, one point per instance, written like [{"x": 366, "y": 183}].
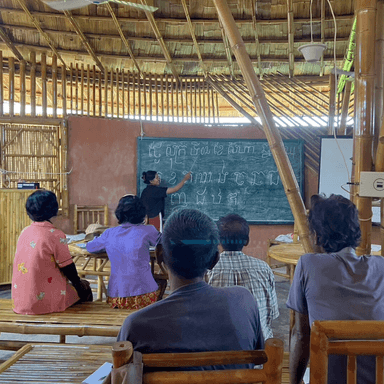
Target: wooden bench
[{"x": 85, "y": 319}]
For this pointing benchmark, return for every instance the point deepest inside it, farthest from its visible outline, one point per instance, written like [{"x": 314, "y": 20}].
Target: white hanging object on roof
[{"x": 68, "y": 5}]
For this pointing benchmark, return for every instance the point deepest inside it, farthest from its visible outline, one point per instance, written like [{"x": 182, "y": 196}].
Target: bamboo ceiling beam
[
  {"x": 38, "y": 27},
  {"x": 207, "y": 60},
  {"x": 10, "y": 44},
  {"x": 254, "y": 26},
  {"x": 125, "y": 41},
  {"x": 176, "y": 20},
  {"x": 159, "y": 38},
  {"x": 193, "y": 35},
  {"x": 148, "y": 39},
  {"x": 227, "y": 49},
  {"x": 274, "y": 139},
  {"x": 83, "y": 39},
  {"x": 291, "y": 34},
  {"x": 232, "y": 102}
]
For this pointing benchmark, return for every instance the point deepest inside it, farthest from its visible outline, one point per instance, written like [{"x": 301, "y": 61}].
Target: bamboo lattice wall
[{"x": 35, "y": 153}]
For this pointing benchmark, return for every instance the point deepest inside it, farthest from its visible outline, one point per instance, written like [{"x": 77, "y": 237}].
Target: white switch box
[{"x": 371, "y": 184}]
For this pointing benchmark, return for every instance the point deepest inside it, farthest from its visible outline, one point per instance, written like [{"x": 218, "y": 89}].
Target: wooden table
[
  {"x": 47, "y": 363},
  {"x": 288, "y": 254},
  {"x": 84, "y": 319}
]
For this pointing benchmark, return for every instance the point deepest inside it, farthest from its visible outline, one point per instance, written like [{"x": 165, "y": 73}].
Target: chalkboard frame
[{"x": 250, "y": 221}]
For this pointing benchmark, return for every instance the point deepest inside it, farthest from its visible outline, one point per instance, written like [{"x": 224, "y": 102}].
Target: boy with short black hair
[{"x": 237, "y": 269}]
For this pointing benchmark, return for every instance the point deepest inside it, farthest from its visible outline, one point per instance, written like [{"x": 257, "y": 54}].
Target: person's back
[
  {"x": 238, "y": 269},
  {"x": 196, "y": 316},
  {"x": 336, "y": 285}
]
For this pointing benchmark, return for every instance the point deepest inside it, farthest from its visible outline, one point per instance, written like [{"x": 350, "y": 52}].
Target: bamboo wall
[
  {"x": 38, "y": 89},
  {"x": 13, "y": 218},
  {"x": 35, "y": 153}
]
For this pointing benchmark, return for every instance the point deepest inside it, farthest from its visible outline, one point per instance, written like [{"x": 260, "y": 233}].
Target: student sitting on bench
[
  {"x": 43, "y": 263},
  {"x": 195, "y": 316},
  {"x": 131, "y": 285}
]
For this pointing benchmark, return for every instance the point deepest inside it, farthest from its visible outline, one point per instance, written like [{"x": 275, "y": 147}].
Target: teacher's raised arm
[{"x": 153, "y": 196}]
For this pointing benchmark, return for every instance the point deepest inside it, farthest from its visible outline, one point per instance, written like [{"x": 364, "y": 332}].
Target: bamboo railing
[
  {"x": 364, "y": 114},
  {"x": 274, "y": 139}
]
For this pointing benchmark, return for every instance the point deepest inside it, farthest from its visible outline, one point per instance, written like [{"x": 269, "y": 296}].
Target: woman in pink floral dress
[{"x": 43, "y": 264}]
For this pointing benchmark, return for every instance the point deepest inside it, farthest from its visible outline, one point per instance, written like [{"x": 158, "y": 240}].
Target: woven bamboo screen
[{"x": 35, "y": 153}]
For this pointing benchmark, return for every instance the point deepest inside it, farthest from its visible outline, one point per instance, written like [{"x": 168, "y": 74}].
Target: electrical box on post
[{"x": 371, "y": 184}]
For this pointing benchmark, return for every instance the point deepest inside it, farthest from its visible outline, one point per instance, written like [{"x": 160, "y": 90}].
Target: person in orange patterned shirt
[{"x": 43, "y": 264}]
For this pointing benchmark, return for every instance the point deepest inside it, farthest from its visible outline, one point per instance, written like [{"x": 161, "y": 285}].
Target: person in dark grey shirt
[
  {"x": 336, "y": 285},
  {"x": 195, "y": 317}
]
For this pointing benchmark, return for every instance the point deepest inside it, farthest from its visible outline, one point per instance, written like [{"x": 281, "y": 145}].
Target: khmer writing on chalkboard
[{"x": 228, "y": 175}]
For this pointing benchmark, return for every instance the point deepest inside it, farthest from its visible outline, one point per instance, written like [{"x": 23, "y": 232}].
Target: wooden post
[
  {"x": 365, "y": 11},
  {"x": 291, "y": 34},
  {"x": 332, "y": 87},
  {"x": 134, "y": 93},
  {"x": 162, "y": 97},
  {"x": 22, "y": 88},
  {"x": 273, "y": 136},
  {"x": 64, "y": 88},
  {"x": 54, "y": 85},
  {"x": 11, "y": 85},
  {"x": 344, "y": 110},
  {"x": 167, "y": 95},
  {"x": 1, "y": 85},
  {"x": 44, "y": 84},
  {"x": 122, "y": 352},
  {"x": 150, "y": 97},
  {"x": 139, "y": 90},
  {"x": 156, "y": 99},
  {"x": 145, "y": 94},
  {"x": 182, "y": 99},
  {"x": 129, "y": 93}
]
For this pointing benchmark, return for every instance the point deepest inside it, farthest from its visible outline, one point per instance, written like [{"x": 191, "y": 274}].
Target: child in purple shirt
[{"x": 131, "y": 285}]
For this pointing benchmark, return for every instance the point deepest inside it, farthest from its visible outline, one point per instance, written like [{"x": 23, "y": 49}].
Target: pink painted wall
[{"x": 102, "y": 156}]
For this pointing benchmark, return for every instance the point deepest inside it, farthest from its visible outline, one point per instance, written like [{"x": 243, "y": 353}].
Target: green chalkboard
[{"x": 228, "y": 175}]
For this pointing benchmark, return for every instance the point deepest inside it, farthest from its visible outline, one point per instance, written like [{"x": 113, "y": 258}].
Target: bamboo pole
[
  {"x": 88, "y": 90},
  {"x": 134, "y": 93},
  {"x": 54, "y": 85},
  {"x": 77, "y": 88},
  {"x": 331, "y": 121},
  {"x": 364, "y": 103},
  {"x": 64, "y": 88},
  {"x": 156, "y": 99},
  {"x": 322, "y": 32},
  {"x": 1, "y": 86},
  {"x": 167, "y": 94},
  {"x": 379, "y": 164},
  {"x": 94, "y": 91},
  {"x": 106, "y": 92},
  {"x": 139, "y": 89},
  {"x": 128, "y": 93},
  {"x": 22, "y": 88},
  {"x": 11, "y": 85},
  {"x": 123, "y": 91},
  {"x": 82, "y": 90},
  {"x": 71, "y": 86},
  {"x": 276, "y": 145},
  {"x": 344, "y": 110},
  {"x": 150, "y": 97},
  {"x": 145, "y": 94},
  {"x": 44, "y": 83},
  {"x": 117, "y": 92},
  {"x": 162, "y": 97},
  {"x": 182, "y": 82},
  {"x": 100, "y": 94}
]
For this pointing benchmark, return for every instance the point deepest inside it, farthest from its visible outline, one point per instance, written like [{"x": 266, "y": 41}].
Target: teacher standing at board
[{"x": 153, "y": 196}]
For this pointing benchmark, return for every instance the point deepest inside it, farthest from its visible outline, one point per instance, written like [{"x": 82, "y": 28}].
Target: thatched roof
[{"x": 165, "y": 44}]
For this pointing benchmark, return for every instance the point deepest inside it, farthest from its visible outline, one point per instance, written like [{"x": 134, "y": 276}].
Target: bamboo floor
[{"x": 66, "y": 363}]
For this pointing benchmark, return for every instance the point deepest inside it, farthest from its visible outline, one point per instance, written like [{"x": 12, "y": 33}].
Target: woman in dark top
[{"x": 153, "y": 196}]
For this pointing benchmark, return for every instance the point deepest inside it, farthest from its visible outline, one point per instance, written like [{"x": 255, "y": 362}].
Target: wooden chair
[
  {"x": 83, "y": 216},
  {"x": 351, "y": 338},
  {"x": 89, "y": 214},
  {"x": 272, "y": 358}
]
